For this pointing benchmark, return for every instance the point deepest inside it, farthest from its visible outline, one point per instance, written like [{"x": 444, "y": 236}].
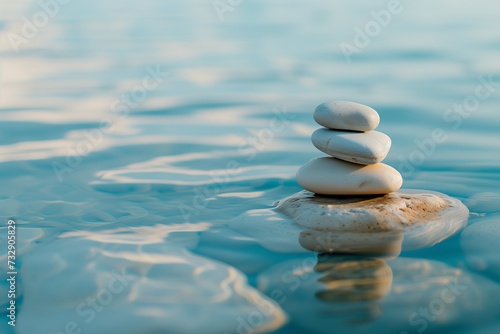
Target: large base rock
[
  {"x": 408, "y": 219},
  {"x": 352, "y": 224}
]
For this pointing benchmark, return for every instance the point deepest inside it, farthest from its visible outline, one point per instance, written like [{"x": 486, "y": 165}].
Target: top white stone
[{"x": 345, "y": 115}]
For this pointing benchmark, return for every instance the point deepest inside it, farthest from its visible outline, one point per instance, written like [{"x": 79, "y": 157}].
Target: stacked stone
[{"x": 355, "y": 151}]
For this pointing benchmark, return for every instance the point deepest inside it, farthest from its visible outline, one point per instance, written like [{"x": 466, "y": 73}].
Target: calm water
[{"x": 122, "y": 178}]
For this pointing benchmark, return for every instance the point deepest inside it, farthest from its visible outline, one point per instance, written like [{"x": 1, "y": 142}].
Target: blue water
[{"x": 132, "y": 133}]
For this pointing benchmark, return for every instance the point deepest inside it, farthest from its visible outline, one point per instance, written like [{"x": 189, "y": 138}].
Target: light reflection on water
[{"x": 170, "y": 154}]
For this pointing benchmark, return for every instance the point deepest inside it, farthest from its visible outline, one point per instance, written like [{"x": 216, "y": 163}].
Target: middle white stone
[{"x": 363, "y": 148}]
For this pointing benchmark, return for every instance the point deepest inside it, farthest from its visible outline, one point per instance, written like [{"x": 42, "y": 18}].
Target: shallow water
[{"x": 150, "y": 198}]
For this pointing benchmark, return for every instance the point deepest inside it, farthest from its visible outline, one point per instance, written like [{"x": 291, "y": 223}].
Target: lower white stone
[{"x": 331, "y": 176}]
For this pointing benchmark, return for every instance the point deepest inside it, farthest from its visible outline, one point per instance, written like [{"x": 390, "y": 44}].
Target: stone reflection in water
[
  {"x": 380, "y": 243},
  {"x": 347, "y": 279},
  {"x": 341, "y": 289},
  {"x": 370, "y": 295}
]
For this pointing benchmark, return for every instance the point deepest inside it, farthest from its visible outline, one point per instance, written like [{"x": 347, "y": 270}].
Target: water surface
[{"x": 110, "y": 176}]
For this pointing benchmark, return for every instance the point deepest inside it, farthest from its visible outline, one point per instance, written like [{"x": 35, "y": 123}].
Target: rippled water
[{"x": 123, "y": 178}]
